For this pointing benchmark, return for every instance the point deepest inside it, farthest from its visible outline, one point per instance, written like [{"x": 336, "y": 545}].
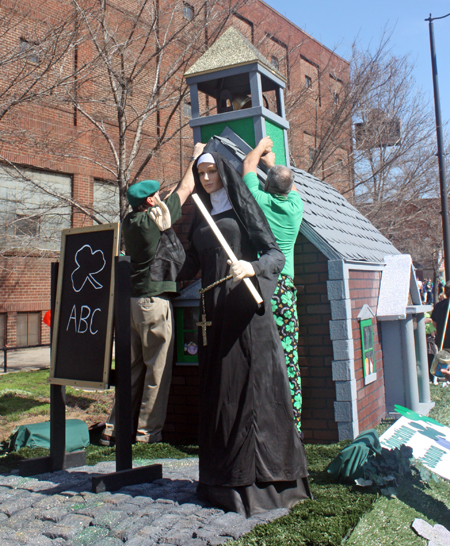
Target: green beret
[{"x": 138, "y": 193}]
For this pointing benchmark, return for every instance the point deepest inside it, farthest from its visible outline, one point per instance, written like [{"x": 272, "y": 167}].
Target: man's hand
[
  {"x": 268, "y": 160},
  {"x": 198, "y": 150},
  {"x": 186, "y": 186},
  {"x": 265, "y": 145},
  {"x": 240, "y": 270},
  {"x": 160, "y": 214}
]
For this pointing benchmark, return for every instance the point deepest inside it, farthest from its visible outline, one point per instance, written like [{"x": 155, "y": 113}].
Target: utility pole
[{"x": 440, "y": 147}]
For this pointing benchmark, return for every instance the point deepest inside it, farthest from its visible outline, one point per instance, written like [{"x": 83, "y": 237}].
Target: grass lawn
[
  {"x": 25, "y": 398},
  {"x": 339, "y": 513}
]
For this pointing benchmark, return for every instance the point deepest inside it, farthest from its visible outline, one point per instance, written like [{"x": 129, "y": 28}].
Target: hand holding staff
[{"x": 225, "y": 245}]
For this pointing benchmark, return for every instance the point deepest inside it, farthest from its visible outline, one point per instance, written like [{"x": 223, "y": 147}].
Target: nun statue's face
[{"x": 209, "y": 177}]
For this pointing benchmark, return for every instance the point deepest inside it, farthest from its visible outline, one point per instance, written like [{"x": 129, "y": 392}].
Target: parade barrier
[{"x": 90, "y": 300}]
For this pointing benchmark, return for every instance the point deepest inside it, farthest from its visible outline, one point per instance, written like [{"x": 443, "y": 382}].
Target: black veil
[{"x": 244, "y": 205}]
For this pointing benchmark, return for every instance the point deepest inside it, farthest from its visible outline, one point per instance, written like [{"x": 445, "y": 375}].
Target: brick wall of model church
[
  {"x": 364, "y": 289},
  {"x": 315, "y": 349}
]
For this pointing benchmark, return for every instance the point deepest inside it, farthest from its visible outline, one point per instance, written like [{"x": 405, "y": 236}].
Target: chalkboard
[{"x": 83, "y": 322}]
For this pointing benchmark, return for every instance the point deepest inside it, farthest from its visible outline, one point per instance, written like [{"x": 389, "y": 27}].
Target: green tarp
[{"x": 38, "y": 435}]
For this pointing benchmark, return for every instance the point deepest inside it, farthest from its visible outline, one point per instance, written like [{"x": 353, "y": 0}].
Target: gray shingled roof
[
  {"x": 231, "y": 49},
  {"x": 330, "y": 222}
]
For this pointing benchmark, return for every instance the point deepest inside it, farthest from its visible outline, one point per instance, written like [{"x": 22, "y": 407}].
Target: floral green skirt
[{"x": 284, "y": 307}]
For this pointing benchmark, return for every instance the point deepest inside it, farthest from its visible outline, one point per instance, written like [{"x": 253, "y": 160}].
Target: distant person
[
  {"x": 440, "y": 285},
  {"x": 429, "y": 291},
  {"x": 430, "y": 331},
  {"x": 420, "y": 286},
  {"x": 438, "y": 317}
]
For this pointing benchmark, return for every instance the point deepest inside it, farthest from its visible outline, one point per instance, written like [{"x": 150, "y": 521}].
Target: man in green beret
[{"x": 152, "y": 325}]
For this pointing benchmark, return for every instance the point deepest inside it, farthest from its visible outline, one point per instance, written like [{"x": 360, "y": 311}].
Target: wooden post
[
  {"x": 124, "y": 423},
  {"x": 58, "y": 459}
]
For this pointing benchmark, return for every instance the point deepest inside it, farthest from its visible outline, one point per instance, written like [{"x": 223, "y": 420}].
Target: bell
[{"x": 241, "y": 102}]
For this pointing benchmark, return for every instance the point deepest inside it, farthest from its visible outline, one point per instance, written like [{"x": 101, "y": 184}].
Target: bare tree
[
  {"x": 130, "y": 93},
  {"x": 371, "y": 134},
  {"x": 35, "y": 47},
  {"x": 395, "y": 168},
  {"x": 112, "y": 71}
]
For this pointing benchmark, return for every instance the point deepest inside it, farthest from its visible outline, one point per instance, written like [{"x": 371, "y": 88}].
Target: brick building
[{"x": 58, "y": 169}]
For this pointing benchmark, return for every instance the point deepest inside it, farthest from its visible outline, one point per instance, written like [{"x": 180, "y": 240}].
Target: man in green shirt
[
  {"x": 283, "y": 208},
  {"x": 152, "y": 325}
]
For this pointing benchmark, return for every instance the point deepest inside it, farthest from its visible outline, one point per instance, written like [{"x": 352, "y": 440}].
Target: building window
[
  {"x": 30, "y": 51},
  {"x": 187, "y": 110},
  {"x": 187, "y": 333},
  {"x": 27, "y": 226},
  {"x": 2, "y": 329},
  {"x": 106, "y": 201},
  {"x": 312, "y": 154},
  {"x": 274, "y": 62},
  {"x": 336, "y": 99},
  {"x": 308, "y": 82},
  {"x": 28, "y": 329},
  {"x": 368, "y": 351},
  {"x": 188, "y": 11},
  {"x": 34, "y": 208}
]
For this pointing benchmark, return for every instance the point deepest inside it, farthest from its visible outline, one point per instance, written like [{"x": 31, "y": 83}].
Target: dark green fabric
[
  {"x": 348, "y": 465},
  {"x": 141, "y": 237},
  {"x": 38, "y": 435}
]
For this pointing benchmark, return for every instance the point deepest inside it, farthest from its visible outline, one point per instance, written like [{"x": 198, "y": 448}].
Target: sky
[{"x": 338, "y": 24}]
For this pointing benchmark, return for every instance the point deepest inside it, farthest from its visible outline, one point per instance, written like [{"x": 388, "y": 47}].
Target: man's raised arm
[
  {"x": 252, "y": 159},
  {"x": 186, "y": 186}
]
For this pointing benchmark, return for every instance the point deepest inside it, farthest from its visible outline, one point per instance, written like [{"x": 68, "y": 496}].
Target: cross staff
[{"x": 225, "y": 246}]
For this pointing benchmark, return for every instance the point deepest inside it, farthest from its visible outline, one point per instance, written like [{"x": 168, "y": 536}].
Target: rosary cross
[{"x": 204, "y": 323}]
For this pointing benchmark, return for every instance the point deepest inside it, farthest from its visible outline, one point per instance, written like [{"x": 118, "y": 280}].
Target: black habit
[{"x": 250, "y": 454}]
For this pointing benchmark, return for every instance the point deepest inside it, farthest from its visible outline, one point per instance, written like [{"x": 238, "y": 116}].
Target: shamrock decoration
[{"x": 89, "y": 263}]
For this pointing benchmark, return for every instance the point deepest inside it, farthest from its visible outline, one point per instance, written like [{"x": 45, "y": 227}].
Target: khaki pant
[{"x": 152, "y": 341}]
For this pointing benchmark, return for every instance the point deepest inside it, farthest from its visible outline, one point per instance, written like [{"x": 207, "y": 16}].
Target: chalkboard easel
[{"x": 107, "y": 279}]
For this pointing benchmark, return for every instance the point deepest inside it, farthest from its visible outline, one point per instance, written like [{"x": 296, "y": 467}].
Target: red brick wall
[
  {"x": 364, "y": 289},
  {"x": 315, "y": 348},
  {"x": 182, "y": 410},
  {"x": 70, "y": 146},
  {"x": 24, "y": 287}
]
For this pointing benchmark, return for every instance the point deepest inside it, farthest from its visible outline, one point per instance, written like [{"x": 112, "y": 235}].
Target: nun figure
[{"x": 251, "y": 456}]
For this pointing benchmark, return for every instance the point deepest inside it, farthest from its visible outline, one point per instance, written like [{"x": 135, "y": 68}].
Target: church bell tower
[{"x": 246, "y": 91}]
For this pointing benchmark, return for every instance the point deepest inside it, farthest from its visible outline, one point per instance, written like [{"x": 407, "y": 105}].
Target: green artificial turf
[
  {"x": 441, "y": 411},
  {"x": 327, "y": 519},
  {"x": 339, "y": 514},
  {"x": 390, "y": 520}
]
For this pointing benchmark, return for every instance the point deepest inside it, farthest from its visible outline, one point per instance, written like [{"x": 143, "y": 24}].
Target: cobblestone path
[{"x": 59, "y": 509}]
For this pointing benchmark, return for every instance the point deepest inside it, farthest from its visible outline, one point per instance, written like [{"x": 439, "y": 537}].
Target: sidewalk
[
  {"x": 22, "y": 360},
  {"x": 59, "y": 509}
]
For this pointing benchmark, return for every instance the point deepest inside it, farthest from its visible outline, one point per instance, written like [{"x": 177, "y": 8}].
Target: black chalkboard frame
[{"x": 55, "y": 377}]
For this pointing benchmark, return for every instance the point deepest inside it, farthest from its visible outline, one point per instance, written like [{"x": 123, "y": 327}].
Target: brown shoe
[
  {"x": 107, "y": 441},
  {"x": 146, "y": 438}
]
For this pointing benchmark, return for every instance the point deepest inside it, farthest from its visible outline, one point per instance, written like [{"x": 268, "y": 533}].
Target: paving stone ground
[{"x": 59, "y": 509}]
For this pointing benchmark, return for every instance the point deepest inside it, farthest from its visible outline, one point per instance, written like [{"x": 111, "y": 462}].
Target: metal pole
[{"x": 440, "y": 146}]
